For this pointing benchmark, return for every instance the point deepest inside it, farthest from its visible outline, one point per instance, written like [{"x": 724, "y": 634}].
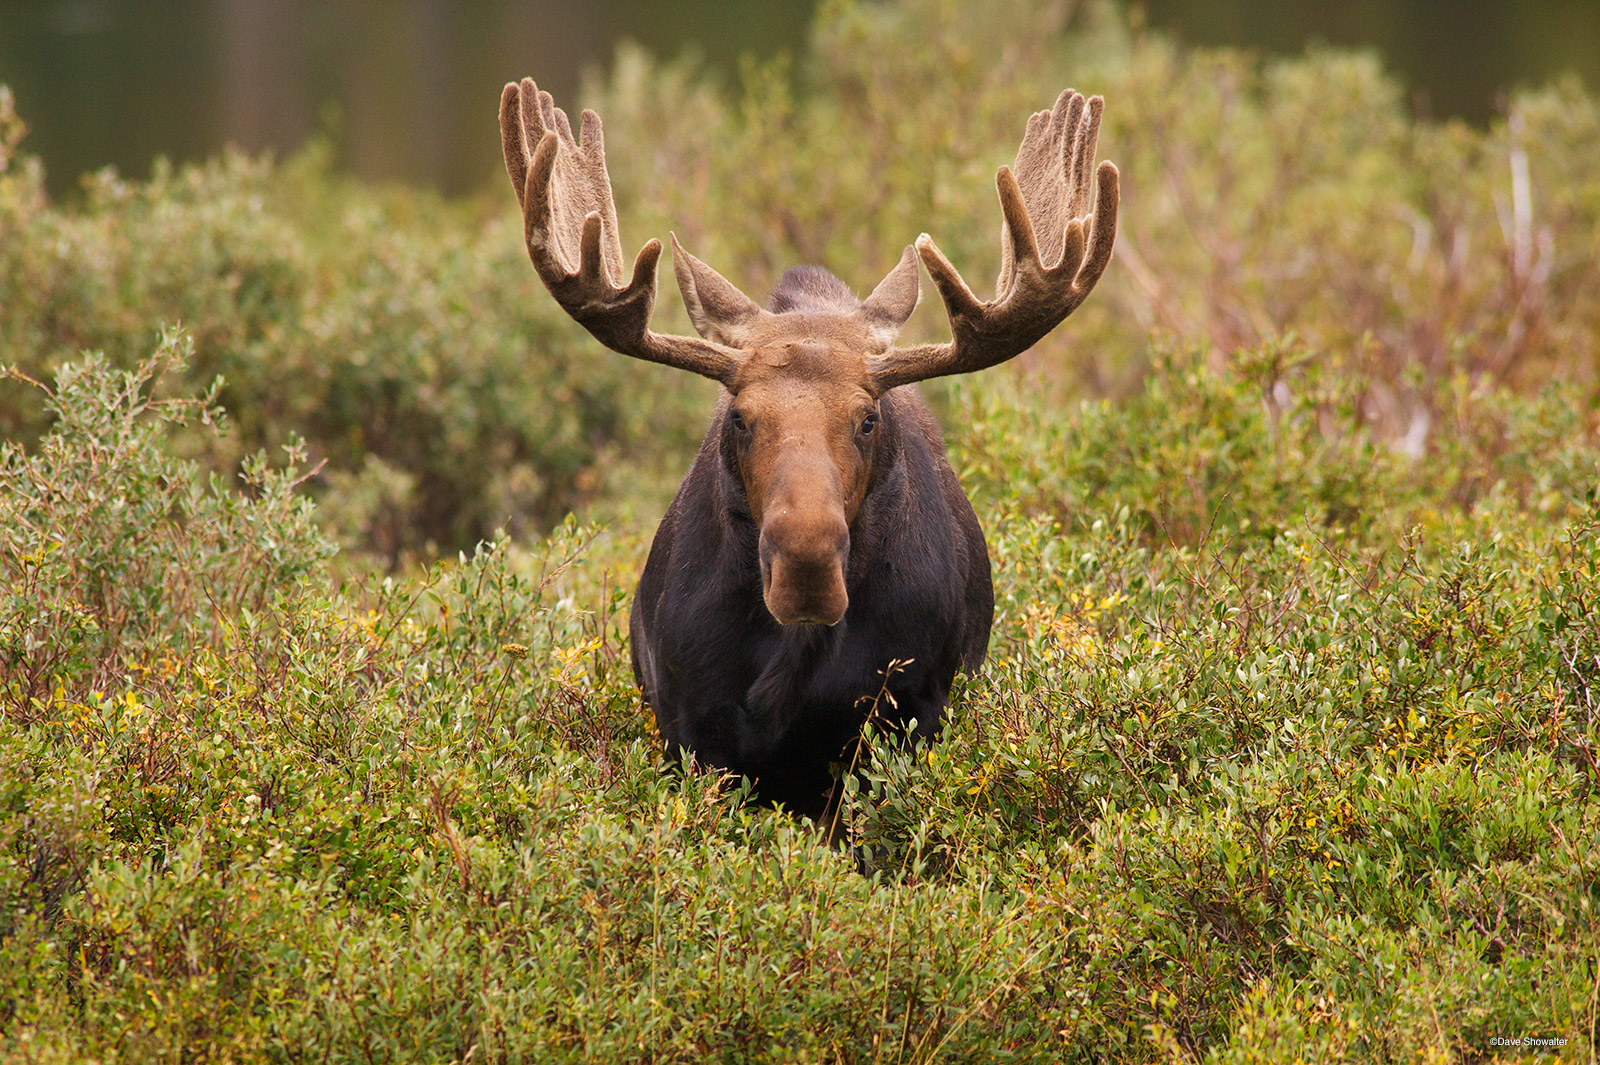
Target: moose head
[{"x": 805, "y": 376}]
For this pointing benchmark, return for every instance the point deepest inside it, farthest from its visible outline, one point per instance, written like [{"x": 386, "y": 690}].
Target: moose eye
[
  {"x": 739, "y": 422},
  {"x": 869, "y": 423}
]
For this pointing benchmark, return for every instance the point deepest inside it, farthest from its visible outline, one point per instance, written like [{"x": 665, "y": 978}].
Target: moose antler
[
  {"x": 1046, "y": 207},
  {"x": 570, "y": 223}
]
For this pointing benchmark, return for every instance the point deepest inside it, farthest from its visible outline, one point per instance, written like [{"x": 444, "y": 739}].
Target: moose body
[
  {"x": 779, "y": 703},
  {"x": 820, "y": 562}
]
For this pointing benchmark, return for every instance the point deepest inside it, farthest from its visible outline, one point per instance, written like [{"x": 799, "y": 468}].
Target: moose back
[{"x": 819, "y": 562}]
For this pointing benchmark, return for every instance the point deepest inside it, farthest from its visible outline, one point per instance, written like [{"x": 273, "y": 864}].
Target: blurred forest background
[{"x": 400, "y": 85}]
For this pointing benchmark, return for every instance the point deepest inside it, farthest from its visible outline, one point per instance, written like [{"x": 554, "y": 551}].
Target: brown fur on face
[
  {"x": 803, "y": 414},
  {"x": 803, "y": 411}
]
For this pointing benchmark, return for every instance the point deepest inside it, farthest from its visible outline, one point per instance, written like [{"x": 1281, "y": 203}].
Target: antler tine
[
  {"x": 1053, "y": 249},
  {"x": 513, "y": 141},
  {"x": 570, "y": 227}
]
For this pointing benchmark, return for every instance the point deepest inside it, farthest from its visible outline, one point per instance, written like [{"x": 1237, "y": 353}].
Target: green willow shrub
[
  {"x": 1304, "y": 785},
  {"x": 406, "y": 340},
  {"x": 303, "y": 822},
  {"x": 113, "y": 552},
  {"x": 1262, "y": 196},
  {"x": 1275, "y": 438},
  {"x": 1298, "y": 785}
]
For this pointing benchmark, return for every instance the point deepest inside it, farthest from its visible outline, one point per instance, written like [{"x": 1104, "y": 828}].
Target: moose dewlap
[{"x": 820, "y": 534}]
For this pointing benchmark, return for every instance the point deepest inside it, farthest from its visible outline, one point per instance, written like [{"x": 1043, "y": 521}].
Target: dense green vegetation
[{"x": 1285, "y": 749}]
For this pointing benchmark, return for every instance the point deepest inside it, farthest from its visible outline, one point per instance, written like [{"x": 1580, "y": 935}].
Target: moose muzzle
[{"x": 803, "y": 557}]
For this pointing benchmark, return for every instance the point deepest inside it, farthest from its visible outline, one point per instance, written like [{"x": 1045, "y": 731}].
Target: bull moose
[{"x": 820, "y": 559}]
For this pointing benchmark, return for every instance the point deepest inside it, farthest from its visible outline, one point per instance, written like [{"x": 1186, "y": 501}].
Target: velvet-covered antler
[
  {"x": 1045, "y": 203},
  {"x": 570, "y": 223}
]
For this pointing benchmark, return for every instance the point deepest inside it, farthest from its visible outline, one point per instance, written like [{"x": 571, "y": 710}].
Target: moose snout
[{"x": 802, "y": 568}]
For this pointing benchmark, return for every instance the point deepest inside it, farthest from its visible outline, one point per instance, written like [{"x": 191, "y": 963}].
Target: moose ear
[
  {"x": 719, "y": 311},
  {"x": 892, "y": 302}
]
